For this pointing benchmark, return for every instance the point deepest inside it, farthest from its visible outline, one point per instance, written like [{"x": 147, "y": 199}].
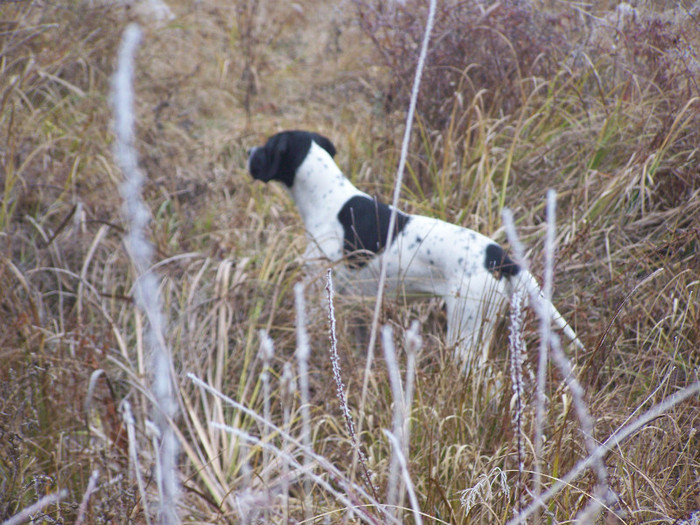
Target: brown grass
[{"x": 615, "y": 133}]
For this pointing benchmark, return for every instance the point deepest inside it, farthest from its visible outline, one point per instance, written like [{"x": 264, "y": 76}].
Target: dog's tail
[{"x": 531, "y": 288}]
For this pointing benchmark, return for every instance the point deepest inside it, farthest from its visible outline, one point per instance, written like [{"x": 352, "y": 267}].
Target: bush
[{"x": 475, "y": 50}]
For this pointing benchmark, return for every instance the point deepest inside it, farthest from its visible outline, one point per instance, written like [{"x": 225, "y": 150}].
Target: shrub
[{"x": 475, "y": 50}]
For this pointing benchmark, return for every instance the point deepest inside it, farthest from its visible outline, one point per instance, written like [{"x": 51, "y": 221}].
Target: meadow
[{"x": 278, "y": 415}]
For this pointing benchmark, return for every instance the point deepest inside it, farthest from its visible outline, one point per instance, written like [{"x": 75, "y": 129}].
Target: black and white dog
[{"x": 427, "y": 256}]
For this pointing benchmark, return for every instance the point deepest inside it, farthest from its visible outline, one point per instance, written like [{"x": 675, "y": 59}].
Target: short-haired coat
[{"x": 427, "y": 256}]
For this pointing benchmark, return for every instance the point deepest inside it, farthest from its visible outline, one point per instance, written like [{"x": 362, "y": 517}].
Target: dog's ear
[
  {"x": 283, "y": 153},
  {"x": 265, "y": 163},
  {"x": 324, "y": 143}
]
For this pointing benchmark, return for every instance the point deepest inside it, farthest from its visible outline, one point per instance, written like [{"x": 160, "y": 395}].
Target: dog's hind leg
[
  {"x": 469, "y": 330},
  {"x": 462, "y": 329},
  {"x": 472, "y": 313}
]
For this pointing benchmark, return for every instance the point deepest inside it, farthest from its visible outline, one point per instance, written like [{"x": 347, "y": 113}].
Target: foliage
[{"x": 517, "y": 98}]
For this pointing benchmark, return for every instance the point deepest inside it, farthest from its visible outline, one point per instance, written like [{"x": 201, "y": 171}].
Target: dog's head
[{"x": 283, "y": 153}]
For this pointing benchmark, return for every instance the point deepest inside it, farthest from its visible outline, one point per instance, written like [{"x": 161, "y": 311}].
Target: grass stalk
[
  {"x": 302, "y": 354},
  {"x": 401, "y": 460},
  {"x": 130, "y": 423},
  {"x": 288, "y": 388},
  {"x": 517, "y": 357},
  {"x": 356, "y": 510},
  {"x": 545, "y": 332},
  {"x": 609, "y": 445},
  {"x": 340, "y": 387},
  {"x": 547, "y": 339},
  {"x": 26, "y": 513},
  {"x": 267, "y": 351},
  {"x": 395, "y": 202},
  {"x": 414, "y": 343},
  {"x": 146, "y": 290},
  {"x": 394, "y": 479},
  {"x": 353, "y": 490}
]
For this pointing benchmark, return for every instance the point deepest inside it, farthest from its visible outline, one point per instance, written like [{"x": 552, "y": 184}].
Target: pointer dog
[{"x": 427, "y": 256}]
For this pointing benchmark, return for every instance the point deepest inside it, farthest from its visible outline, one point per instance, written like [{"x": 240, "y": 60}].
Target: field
[{"x": 597, "y": 101}]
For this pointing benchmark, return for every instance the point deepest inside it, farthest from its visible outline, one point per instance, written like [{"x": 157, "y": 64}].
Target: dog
[{"x": 426, "y": 257}]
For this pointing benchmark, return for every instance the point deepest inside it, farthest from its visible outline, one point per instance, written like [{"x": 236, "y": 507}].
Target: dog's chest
[{"x": 319, "y": 192}]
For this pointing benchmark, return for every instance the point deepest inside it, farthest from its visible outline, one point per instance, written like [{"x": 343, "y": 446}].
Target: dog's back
[{"x": 427, "y": 256}]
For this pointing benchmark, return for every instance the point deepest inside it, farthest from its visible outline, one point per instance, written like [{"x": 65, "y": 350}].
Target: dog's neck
[{"x": 320, "y": 189}]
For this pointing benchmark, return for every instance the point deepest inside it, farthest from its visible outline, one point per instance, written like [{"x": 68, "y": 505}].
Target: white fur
[{"x": 448, "y": 261}]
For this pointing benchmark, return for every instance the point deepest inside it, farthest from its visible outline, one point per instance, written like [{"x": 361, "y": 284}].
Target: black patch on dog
[
  {"x": 283, "y": 153},
  {"x": 366, "y": 225},
  {"x": 498, "y": 263}
]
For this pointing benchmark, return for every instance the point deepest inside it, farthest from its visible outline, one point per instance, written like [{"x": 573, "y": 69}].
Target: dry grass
[{"x": 614, "y": 131}]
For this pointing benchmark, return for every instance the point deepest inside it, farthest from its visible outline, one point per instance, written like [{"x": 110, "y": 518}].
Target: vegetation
[{"x": 599, "y": 102}]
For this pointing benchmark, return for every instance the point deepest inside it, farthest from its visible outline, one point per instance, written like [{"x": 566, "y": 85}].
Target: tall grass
[
  {"x": 600, "y": 105},
  {"x": 146, "y": 291}
]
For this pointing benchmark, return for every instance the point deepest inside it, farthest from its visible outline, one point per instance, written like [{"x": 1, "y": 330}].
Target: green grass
[{"x": 617, "y": 140}]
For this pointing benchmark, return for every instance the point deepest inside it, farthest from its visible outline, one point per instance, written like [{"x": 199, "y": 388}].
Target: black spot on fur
[
  {"x": 498, "y": 263},
  {"x": 366, "y": 225},
  {"x": 283, "y": 153}
]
